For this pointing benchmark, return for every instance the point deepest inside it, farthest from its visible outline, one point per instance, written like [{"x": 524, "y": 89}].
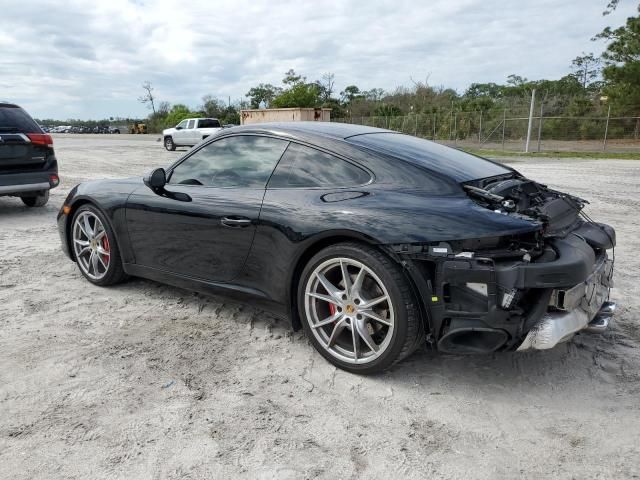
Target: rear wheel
[
  {"x": 357, "y": 308},
  {"x": 168, "y": 144},
  {"x": 95, "y": 248},
  {"x": 38, "y": 200}
]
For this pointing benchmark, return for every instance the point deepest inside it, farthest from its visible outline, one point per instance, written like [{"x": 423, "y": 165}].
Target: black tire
[
  {"x": 39, "y": 200},
  {"x": 408, "y": 332},
  {"x": 115, "y": 273},
  {"x": 168, "y": 144}
]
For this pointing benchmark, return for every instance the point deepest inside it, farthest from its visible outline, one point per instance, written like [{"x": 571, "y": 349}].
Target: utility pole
[{"x": 533, "y": 101}]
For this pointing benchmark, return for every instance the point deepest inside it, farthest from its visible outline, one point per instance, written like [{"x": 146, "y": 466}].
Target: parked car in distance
[
  {"x": 373, "y": 241},
  {"x": 28, "y": 165},
  {"x": 190, "y": 132}
]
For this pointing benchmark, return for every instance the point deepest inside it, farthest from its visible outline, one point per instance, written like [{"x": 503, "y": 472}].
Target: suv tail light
[{"x": 41, "y": 139}]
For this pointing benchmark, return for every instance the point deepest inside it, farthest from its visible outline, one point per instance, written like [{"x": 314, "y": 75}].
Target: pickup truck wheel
[
  {"x": 168, "y": 144},
  {"x": 39, "y": 200}
]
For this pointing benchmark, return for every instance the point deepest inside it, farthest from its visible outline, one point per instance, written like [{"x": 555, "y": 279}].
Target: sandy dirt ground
[{"x": 148, "y": 381}]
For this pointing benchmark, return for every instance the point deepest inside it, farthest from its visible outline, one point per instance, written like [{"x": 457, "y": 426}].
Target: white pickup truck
[{"x": 190, "y": 132}]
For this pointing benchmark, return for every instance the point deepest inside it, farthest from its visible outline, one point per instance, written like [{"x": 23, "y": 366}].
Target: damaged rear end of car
[
  {"x": 509, "y": 264},
  {"x": 520, "y": 291}
]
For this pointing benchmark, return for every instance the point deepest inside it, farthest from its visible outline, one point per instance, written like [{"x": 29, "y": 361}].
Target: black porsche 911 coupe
[{"x": 373, "y": 241}]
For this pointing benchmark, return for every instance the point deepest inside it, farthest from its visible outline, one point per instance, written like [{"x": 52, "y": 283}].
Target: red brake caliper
[{"x": 105, "y": 245}]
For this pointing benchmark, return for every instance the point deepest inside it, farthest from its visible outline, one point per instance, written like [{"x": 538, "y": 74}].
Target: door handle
[{"x": 235, "y": 222}]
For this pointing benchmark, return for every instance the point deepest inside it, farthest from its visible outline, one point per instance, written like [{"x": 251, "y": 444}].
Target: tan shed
[{"x": 285, "y": 115}]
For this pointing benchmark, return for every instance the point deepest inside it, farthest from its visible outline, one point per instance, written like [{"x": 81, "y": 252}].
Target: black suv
[{"x": 28, "y": 166}]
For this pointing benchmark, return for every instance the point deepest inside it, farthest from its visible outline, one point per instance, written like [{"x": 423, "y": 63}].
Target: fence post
[
  {"x": 480, "y": 130},
  {"x": 455, "y": 128},
  {"x": 504, "y": 123},
  {"x": 606, "y": 129},
  {"x": 533, "y": 101},
  {"x": 540, "y": 124},
  {"x": 416, "y": 129},
  {"x": 435, "y": 119},
  {"x": 450, "y": 125}
]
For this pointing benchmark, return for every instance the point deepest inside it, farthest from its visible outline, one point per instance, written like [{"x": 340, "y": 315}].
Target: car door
[
  {"x": 196, "y": 134},
  {"x": 181, "y": 136},
  {"x": 202, "y": 224},
  {"x": 191, "y": 133}
]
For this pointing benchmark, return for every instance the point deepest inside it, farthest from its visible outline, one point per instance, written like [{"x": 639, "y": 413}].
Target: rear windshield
[
  {"x": 15, "y": 119},
  {"x": 208, "y": 123},
  {"x": 454, "y": 163}
]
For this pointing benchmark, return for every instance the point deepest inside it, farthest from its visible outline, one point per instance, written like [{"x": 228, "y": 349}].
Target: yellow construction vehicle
[{"x": 138, "y": 128}]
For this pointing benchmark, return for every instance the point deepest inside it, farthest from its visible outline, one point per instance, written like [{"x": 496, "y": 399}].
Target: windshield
[{"x": 454, "y": 163}]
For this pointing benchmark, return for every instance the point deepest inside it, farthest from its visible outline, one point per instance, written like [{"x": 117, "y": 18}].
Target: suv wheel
[
  {"x": 168, "y": 144},
  {"x": 357, "y": 308},
  {"x": 38, "y": 200}
]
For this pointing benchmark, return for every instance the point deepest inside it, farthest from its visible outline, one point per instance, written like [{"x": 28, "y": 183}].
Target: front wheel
[
  {"x": 168, "y": 144},
  {"x": 95, "y": 248},
  {"x": 38, "y": 200},
  {"x": 358, "y": 309}
]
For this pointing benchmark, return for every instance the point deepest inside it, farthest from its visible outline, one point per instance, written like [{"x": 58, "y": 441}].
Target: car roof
[
  {"x": 338, "y": 131},
  {"x": 4, "y": 103}
]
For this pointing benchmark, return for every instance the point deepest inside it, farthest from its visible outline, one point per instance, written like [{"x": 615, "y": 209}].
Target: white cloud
[{"x": 88, "y": 59}]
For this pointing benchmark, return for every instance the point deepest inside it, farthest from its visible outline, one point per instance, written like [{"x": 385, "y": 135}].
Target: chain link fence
[{"x": 507, "y": 130}]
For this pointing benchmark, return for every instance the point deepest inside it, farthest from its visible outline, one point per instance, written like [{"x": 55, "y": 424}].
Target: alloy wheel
[
  {"x": 91, "y": 245},
  {"x": 349, "y": 310}
]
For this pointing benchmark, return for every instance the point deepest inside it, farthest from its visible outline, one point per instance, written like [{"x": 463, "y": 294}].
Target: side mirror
[
  {"x": 178, "y": 127},
  {"x": 156, "y": 179}
]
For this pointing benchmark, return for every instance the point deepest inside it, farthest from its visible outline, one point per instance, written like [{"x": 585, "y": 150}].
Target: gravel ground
[{"x": 148, "y": 381}]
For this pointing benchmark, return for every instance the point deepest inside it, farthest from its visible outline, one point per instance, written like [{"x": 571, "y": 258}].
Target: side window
[
  {"x": 208, "y": 123},
  {"x": 182, "y": 124},
  {"x": 238, "y": 161},
  {"x": 191, "y": 124},
  {"x": 306, "y": 167}
]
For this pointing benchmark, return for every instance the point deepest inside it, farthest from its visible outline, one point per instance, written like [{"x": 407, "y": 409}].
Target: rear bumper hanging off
[
  {"x": 481, "y": 304},
  {"x": 582, "y": 304}
]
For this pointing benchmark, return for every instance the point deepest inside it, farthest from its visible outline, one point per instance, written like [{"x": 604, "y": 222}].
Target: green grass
[{"x": 556, "y": 154}]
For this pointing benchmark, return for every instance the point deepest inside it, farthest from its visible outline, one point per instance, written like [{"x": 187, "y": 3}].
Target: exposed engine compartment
[{"x": 518, "y": 196}]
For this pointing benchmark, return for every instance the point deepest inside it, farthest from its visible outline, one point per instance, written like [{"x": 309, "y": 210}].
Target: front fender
[{"x": 110, "y": 197}]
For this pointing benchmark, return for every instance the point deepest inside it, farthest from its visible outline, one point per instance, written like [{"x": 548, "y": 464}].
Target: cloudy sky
[{"x": 81, "y": 59}]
